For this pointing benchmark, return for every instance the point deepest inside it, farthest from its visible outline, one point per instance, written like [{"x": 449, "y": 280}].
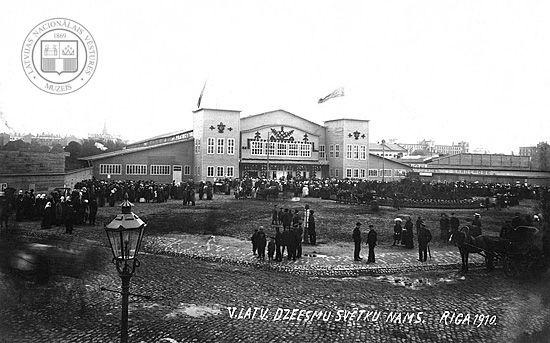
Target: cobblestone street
[{"x": 190, "y": 301}]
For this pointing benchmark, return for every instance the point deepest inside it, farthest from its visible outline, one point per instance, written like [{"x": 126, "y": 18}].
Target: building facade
[
  {"x": 442, "y": 149},
  {"x": 221, "y": 144}
]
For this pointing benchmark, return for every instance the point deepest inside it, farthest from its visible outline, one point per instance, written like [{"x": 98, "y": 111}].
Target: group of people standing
[{"x": 297, "y": 228}]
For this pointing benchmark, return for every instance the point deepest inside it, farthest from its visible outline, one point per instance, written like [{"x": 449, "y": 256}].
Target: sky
[{"x": 475, "y": 71}]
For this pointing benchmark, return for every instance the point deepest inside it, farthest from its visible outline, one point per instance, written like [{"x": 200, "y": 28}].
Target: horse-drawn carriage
[{"x": 519, "y": 251}]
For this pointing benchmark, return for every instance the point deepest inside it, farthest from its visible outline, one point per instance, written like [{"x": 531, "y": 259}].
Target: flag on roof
[
  {"x": 338, "y": 92},
  {"x": 200, "y": 96}
]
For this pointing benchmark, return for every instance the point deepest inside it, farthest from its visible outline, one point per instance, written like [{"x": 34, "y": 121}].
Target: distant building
[
  {"x": 485, "y": 168},
  {"x": 388, "y": 150},
  {"x": 527, "y": 150},
  {"x": 430, "y": 146},
  {"x": 104, "y": 135},
  {"x": 4, "y": 139}
]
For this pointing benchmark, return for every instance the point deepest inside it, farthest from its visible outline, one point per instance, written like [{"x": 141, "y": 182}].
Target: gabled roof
[
  {"x": 281, "y": 110},
  {"x": 128, "y": 151},
  {"x": 175, "y": 133},
  {"x": 390, "y": 160}
]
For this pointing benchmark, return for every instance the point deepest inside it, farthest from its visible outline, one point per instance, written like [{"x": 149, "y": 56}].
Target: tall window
[
  {"x": 348, "y": 151},
  {"x": 281, "y": 149},
  {"x": 293, "y": 149},
  {"x": 373, "y": 172},
  {"x": 231, "y": 146},
  {"x": 348, "y": 172},
  {"x": 257, "y": 148},
  {"x": 305, "y": 149},
  {"x": 336, "y": 172},
  {"x": 160, "y": 169},
  {"x": 356, "y": 151},
  {"x": 331, "y": 151},
  {"x": 186, "y": 170},
  {"x": 136, "y": 169},
  {"x": 197, "y": 146},
  {"x": 356, "y": 173},
  {"x": 220, "y": 146},
  {"x": 322, "y": 152},
  {"x": 363, "y": 173},
  {"x": 115, "y": 169},
  {"x": 210, "y": 146},
  {"x": 331, "y": 172},
  {"x": 387, "y": 172},
  {"x": 219, "y": 172},
  {"x": 337, "y": 150},
  {"x": 270, "y": 148},
  {"x": 363, "y": 152},
  {"x": 210, "y": 171},
  {"x": 230, "y": 171}
]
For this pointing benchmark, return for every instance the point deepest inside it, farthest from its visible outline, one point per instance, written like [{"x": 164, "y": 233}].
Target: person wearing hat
[
  {"x": 424, "y": 237},
  {"x": 271, "y": 248},
  {"x": 476, "y": 225},
  {"x": 357, "y": 240},
  {"x": 372, "y": 239},
  {"x": 397, "y": 229},
  {"x": 261, "y": 243}
]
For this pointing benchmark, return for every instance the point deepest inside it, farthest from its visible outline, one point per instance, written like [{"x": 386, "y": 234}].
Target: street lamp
[
  {"x": 383, "y": 159},
  {"x": 125, "y": 233}
]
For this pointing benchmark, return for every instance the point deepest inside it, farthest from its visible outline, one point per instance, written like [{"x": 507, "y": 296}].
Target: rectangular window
[
  {"x": 257, "y": 148},
  {"x": 331, "y": 151},
  {"x": 348, "y": 151},
  {"x": 210, "y": 171},
  {"x": 373, "y": 172},
  {"x": 197, "y": 146},
  {"x": 336, "y": 172},
  {"x": 363, "y": 152},
  {"x": 387, "y": 172},
  {"x": 331, "y": 172},
  {"x": 186, "y": 170},
  {"x": 281, "y": 149},
  {"x": 293, "y": 149},
  {"x": 136, "y": 169},
  {"x": 305, "y": 150},
  {"x": 115, "y": 169},
  {"x": 322, "y": 152},
  {"x": 230, "y": 171},
  {"x": 160, "y": 169},
  {"x": 401, "y": 172},
  {"x": 270, "y": 148},
  {"x": 220, "y": 147},
  {"x": 356, "y": 173},
  {"x": 231, "y": 146},
  {"x": 348, "y": 172},
  {"x": 337, "y": 150},
  {"x": 363, "y": 173},
  {"x": 356, "y": 152},
  {"x": 210, "y": 146},
  {"x": 219, "y": 172}
]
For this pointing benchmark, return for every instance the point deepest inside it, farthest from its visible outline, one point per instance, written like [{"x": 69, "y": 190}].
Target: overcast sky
[{"x": 477, "y": 71}]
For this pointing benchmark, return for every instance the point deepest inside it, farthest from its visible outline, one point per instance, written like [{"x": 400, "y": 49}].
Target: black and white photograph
[{"x": 274, "y": 171}]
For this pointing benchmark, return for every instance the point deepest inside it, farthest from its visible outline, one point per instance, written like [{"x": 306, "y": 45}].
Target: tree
[
  {"x": 17, "y": 145},
  {"x": 74, "y": 149},
  {"x": 56, "y": 149}
]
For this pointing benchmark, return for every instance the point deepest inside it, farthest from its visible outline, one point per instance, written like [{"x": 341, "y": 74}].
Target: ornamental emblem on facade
[
  {"x": 221, "y": 127},
  {"x": 282, "y": 135}
]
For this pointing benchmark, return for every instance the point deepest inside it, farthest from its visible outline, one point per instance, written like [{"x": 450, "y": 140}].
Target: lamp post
[
  {"x": 383, "y": 160},
  {"x": 125, "y": 233}
]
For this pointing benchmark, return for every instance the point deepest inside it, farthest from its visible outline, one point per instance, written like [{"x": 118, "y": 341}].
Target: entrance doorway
[{"x": 176, "y": 174}]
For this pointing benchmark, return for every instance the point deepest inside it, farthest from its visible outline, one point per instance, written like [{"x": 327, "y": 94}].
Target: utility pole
[
  {"x": 383, "y": 160},
  {"x": 268, "y": 147}
]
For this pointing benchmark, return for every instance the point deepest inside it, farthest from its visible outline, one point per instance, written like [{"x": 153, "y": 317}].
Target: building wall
[
  {"x": 484, "y": 160},
  {"x": 346, "y": 132},
  {"x": 74, "y": 176},
  {"x": 218, "y": 125},
  {"x": 40, "y": 183},
  {"x": 177, "y": 154},
  {"x": 19, "y": 162},
  {"x": 394, "y": 171}
]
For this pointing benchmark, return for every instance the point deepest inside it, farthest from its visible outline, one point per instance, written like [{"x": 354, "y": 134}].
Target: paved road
[{"x": 191, "y": 300}]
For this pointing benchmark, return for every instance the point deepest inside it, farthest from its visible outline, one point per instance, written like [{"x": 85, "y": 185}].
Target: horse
[{"x": 486, "y": 246}]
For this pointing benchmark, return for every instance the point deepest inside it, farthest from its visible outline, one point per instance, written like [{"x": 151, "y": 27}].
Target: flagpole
[{"x": 268, "y": 146}]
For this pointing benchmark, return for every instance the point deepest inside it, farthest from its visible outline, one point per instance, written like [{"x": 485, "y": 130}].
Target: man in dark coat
[
  {"x": 397, "y": 230},
  {"x": 298, "y": 239},
  {"x": 408, "y": 234},
  {"x": 424, "y": 237},
  {"x": 357, "y": 240},
  {"x": 278, "y": 244},
  {"x": 287, "y": 219},
  {"x": 262, "y": 241},
  {"x": 372, "y": 239},
  {"x": 455, "y": 223},
  {"x": 274, "y": 216},
  {"x": 285, "y": 238},
  {"x": 291, "y": 244},
  {"x": 311, "y": 228},
  {"x": 444, "y": 225},
  {"x": 476, "y": 225},
  {"x": 201, "y": 190},
  {"x": 254, "y": 240},
  {"x": 93, "y": 210},
  {"x": 270, "y": 248}
]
